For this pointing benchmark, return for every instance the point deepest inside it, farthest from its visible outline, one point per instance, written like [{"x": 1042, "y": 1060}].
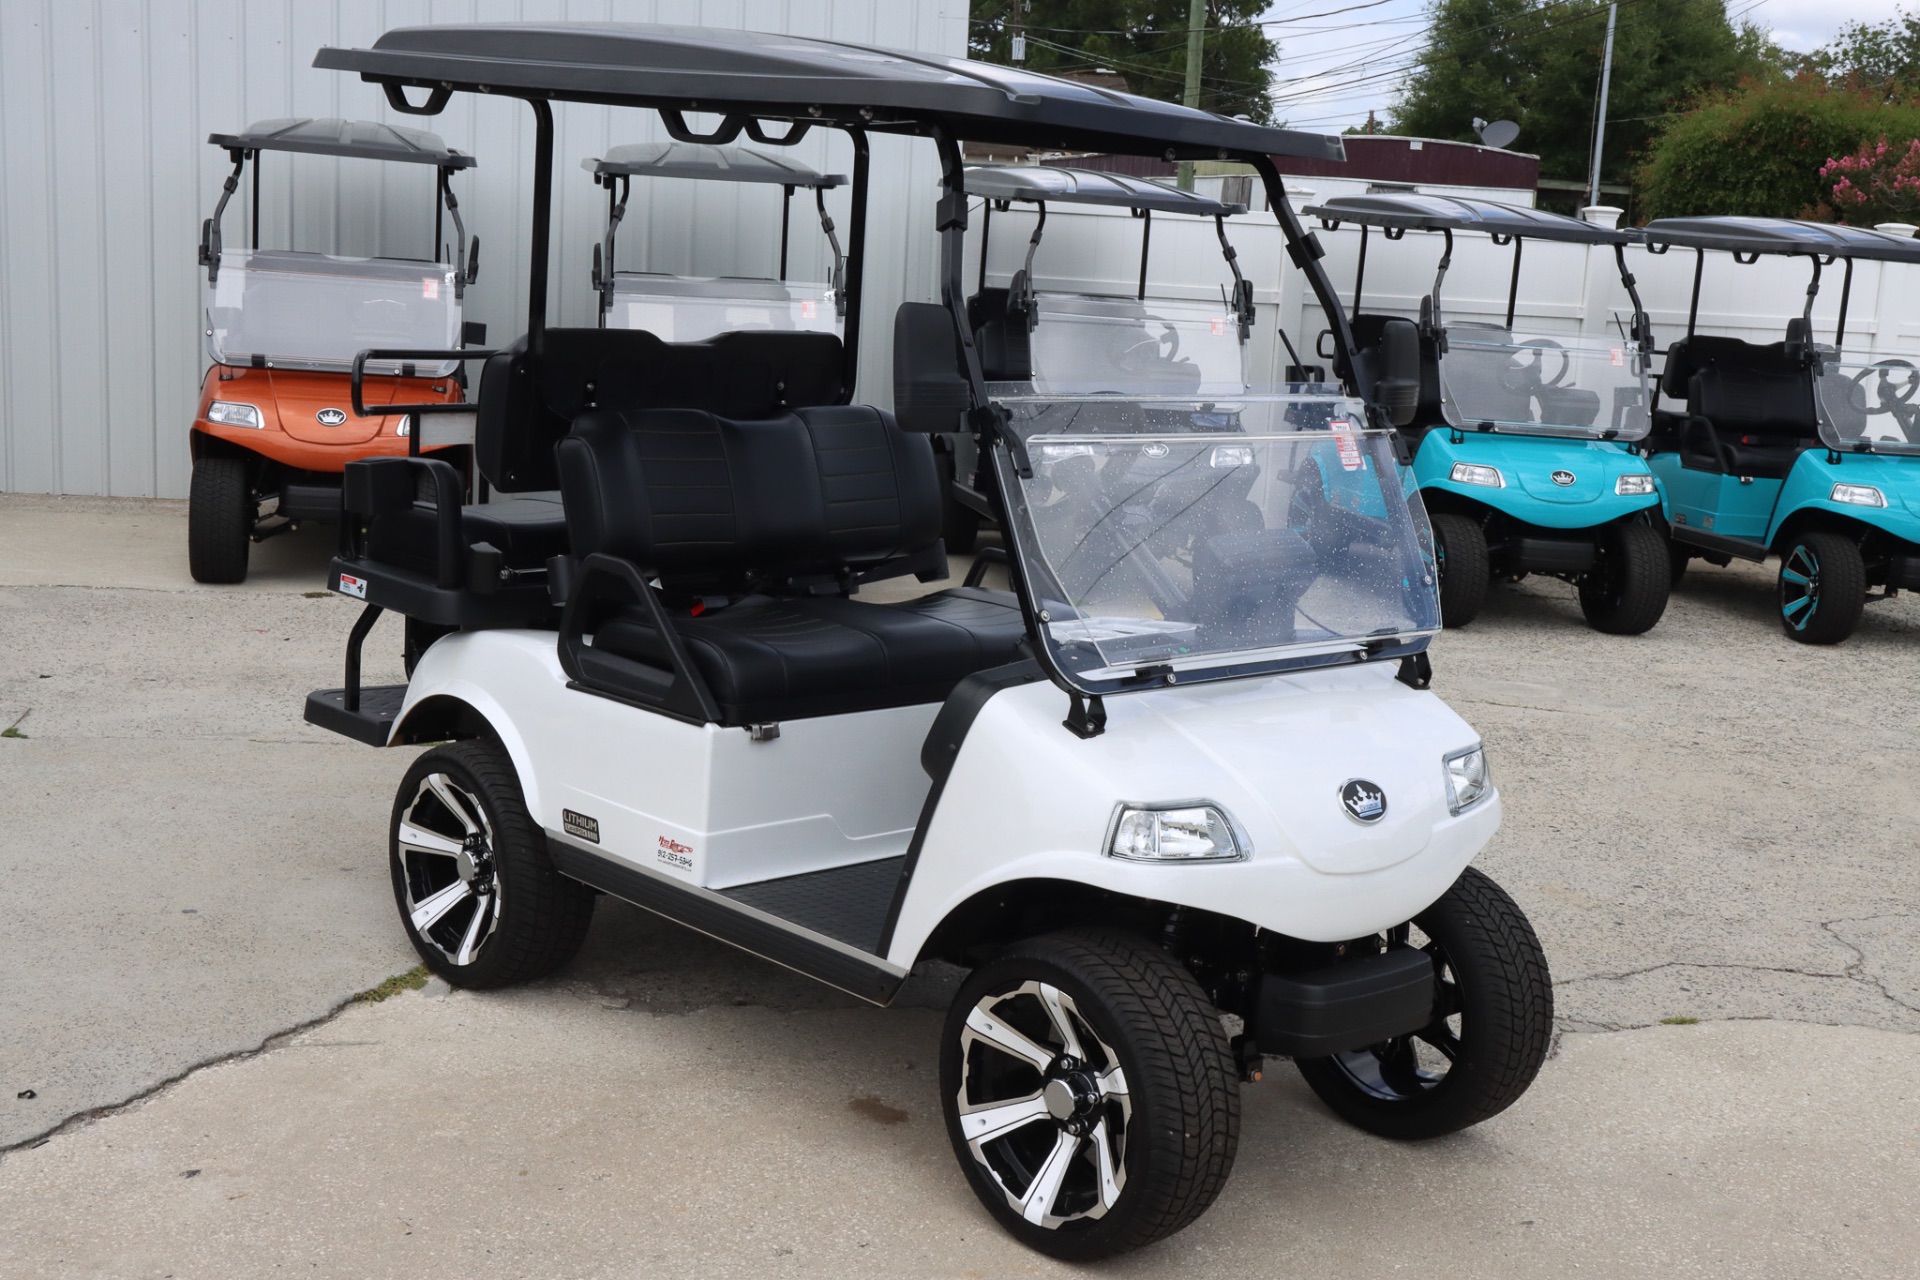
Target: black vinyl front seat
[
  {"x": 754, "y": 531},
  {"x": 1749, "y": 408}
]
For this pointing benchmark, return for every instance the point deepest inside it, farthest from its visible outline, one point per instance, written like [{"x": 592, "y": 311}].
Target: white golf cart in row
[{"x": 1178, "y": 800}]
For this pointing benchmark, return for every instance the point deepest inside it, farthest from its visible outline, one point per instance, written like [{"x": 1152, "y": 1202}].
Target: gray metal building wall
[{"x": 105, "y": 108}]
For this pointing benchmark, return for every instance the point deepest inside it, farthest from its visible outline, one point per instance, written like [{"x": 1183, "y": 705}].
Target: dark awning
[
  {"x": 1781, "y": 235},
  {"x": 1034, "y": 183},
  {"x": 708, "y": 164},
  {"x": 365, "y": 139},
  {"x": 792, "y": 77},
  {"x": 1454, "y": 213}
]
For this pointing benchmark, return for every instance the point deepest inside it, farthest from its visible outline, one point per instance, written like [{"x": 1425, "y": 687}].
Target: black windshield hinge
[
  {"x": 1087, "y": 717},
  {"x": 1306, "y": 250},
  {"x": 1416, "y": 671},
  {"x": 951, "y": 213}
]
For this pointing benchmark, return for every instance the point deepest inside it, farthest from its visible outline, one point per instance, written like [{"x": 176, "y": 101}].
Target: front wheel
[
  {"x": 219, "y": 520},
  {"x": 1625, "y": 592},
  {"x": 478, "y": 895},
  {"x": 1460, "y": 548},
  {"x": 1493, "y": 1019},
  {"x": 1089, "y": 1093},
  {"x": 1823, "y": 588}
]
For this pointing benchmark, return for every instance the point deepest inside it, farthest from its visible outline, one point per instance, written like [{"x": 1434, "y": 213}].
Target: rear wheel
[
  {"x": 959, "y": 523},
  {"x": 1492, "y": 1024},
  {"x": 219, "y": 520},
  {"x": 1823, "y": 588},
  {"x": 1460, "y": 546},
  {"x": 1625, "y": 592},
  {"x": 478, "y": 895},
  {"x": 1089, "y": 1093}
]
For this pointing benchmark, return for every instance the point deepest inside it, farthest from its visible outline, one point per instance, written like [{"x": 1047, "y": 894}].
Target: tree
[
  {"x": 1144, "y": 42},
  {"x": 1877, "y": 183},
  {"x": 1759, "y": 151},
  {"x": 1539, "y": 64},
  {"x": 1882, "y": 60}
]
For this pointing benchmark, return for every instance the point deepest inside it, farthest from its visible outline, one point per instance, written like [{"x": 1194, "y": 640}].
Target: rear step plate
[{"x": 371, "y": 724}]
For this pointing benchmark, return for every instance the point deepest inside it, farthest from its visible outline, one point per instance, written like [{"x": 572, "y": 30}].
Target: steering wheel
[
  {"x": 1893, "y": 395},
  {"x": 1151, "y": 350},
  {"x": 1525, "y": 369}
]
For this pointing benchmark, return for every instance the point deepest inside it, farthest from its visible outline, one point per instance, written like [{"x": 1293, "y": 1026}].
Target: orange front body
[{"x": 292, "y": 403}]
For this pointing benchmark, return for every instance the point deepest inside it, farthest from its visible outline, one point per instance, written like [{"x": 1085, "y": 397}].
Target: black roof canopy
[
  {"x": 364, "y": 139},
  {"x": 793, "y": 77},
  {"x": 1046, "y": 183},
  {"x": 709, "y": 164},
  {"x": 1454, "y": 213},
  {"x": 1781, "y": 235}
]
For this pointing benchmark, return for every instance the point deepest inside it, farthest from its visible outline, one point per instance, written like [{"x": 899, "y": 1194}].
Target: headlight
[
  {"x": 405, "y": 426},
  {"x": 1187, "y": 833},
  {"x": 1634, "y": 485},
  {"x": 233, "y": 414},
  {"x": 1474, "y": 473},
  {"x": 1231, "y": 455},
  {"x": 1467, "y": 780},
  {"x": 1860, "y": 495}
]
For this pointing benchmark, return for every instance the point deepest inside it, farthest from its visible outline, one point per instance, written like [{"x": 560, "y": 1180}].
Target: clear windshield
[
  {"x": 316, "y": 311},
  {"x": 1085, "y": 345},
  {"x": 1213, "y": 536},
  {"x": 1491, "y": 379},
  {"x": 1867, "y": 401},
  {"x": 691, "y": 308}
]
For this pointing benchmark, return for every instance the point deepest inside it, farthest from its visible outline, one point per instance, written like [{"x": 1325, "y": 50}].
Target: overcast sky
[{"x": 1335, "y": 66}]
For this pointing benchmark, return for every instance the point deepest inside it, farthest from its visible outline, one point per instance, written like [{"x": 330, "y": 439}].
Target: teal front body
[
  {"x": 1527, "y": 464},
  {"x": 1760, "y": 510}
]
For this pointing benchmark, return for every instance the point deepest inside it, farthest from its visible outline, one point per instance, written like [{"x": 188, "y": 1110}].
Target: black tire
[
  {"x": 1460, "y": 547},
  {"x": 1494, "y": 984},
  {"x": 1678, "y": 557},
  {"x": 1626, "y": 591},
  {"x": 959, "y": 523},
  {"x": 1822, "y": 588},
  {"x": 1176, "y": 1127},
  {"x": 518, "y": 918},
  {"x": 219, "y": 520}
]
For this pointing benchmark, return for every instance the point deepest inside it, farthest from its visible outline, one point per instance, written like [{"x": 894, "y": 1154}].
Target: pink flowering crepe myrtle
[{"x": 1878, "y": 183}]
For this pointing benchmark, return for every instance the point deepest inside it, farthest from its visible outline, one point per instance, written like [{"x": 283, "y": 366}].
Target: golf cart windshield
[
  {"x": 1214, "y": 538},
  {"x": 1868, "y": 403},
  {"x": 1492, "y": 379},
  {"x": 289, "y": 310},
  {"x": 689, "y": 308},
  {"x": 1085, "y": 345}
]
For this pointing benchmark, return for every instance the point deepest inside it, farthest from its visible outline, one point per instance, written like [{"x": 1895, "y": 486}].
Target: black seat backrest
[
  {"x": 1746, "y": 389},
  {"x": 527, "y": 405},
  {"x": 1003, "y": 339},
  {"x": 710, "y": 502}
]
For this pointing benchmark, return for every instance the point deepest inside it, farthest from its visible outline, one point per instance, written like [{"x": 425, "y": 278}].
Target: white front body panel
[{"x": 1026, "y": 799}]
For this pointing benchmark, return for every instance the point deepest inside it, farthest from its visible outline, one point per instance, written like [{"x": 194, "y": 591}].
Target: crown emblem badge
[{"x": 1364, "y": 801}]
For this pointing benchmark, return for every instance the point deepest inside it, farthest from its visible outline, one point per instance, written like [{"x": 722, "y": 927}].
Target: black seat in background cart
[
  {"x": 1750, "y": 408},
  {"x": 756, "y": 531},
  {"x": 486, "y": 564}
]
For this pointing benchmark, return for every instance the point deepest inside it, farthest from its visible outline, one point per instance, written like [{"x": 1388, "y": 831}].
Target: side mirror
[
  {"x": 1397, "y": 389},
  {"x": 930, "y": 392},
  {"x": 473, "y": 259},
  {"x": 473, "y": 333}
]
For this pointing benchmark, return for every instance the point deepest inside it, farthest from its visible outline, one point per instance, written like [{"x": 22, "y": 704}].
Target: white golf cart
[
  {"x": 1179, "y": 800},
  {"x": 690, "y": 308}
]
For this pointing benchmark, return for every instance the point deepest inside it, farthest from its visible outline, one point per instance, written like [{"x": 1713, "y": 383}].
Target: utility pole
[
  {"x": 1600, "y": 128},
  {"x": 1196, "y": 42}
]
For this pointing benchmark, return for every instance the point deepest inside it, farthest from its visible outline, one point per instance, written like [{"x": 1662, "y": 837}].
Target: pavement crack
[{"x": 1858, "y": 970}]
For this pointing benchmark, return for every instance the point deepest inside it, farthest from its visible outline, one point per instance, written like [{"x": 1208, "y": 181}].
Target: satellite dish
[{"x": 1500, "y": 133}]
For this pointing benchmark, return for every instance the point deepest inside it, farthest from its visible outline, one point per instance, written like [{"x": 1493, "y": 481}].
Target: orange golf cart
[{"x": 276, "y": 424}]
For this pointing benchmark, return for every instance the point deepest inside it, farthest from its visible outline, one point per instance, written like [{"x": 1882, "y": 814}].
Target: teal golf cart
[
  {"x": 1801, "y": 449},
  {"x": 1524, "y": 444}
]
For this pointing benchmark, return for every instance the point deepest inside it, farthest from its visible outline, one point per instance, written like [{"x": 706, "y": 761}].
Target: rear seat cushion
[
  {"x": 527, "y": 530},
  {"x": 766, "y": 658}
]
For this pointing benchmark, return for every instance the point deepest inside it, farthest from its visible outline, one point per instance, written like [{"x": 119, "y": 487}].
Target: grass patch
[
  {"x": 1679, "y": 1020},
  {"x": 412, "y": 980},
  {"x": 13, "y": 730}
]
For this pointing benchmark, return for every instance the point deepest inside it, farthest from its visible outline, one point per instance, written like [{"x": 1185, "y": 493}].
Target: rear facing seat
[{"x": 754, "y": 531}]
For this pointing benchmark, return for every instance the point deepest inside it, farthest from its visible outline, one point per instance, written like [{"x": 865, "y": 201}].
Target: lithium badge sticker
[
  {"x": 1348, "y": 444},
  {"x": 352, "y": 586}
]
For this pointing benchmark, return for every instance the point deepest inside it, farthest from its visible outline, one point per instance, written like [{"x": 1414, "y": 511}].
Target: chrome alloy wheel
[
  {"x": 1043, "y": 1105},
  {"x": 446, "y": 856},
  {"x": 1799, "y": 588}
]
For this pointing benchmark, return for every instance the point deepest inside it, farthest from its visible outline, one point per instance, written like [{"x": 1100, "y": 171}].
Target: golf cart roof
[
  {"x": 1455, "y": 213},
  {"x": 1038, "y": 183},
  {"x": 365, "y": 139},
  {"x": 1781, "y": 235},
  {"x": 676, "y": 69},
  {"x": 709, "y": 164}
]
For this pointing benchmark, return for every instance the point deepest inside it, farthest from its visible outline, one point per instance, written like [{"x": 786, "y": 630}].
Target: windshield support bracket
[
  {"x": 1416, "y": 670},
  {"x": 1086, "y": 716}
]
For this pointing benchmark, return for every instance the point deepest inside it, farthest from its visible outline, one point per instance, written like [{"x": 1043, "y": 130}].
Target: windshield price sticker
[
  {"x": 1219, "y": 328},
  {"x": 1619, "y": 358},
  {"x": 430, "y": 288},
  {"x": 1348, "y": 444},
  {"x": 809, "y": 308}
]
